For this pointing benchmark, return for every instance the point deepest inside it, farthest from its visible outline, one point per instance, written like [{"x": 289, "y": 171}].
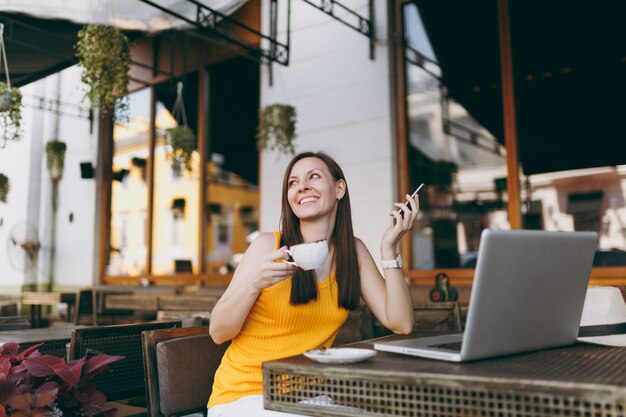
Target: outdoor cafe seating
[
  {"x": 177, "y": 385},
  {"x": 126, "y": 381}
]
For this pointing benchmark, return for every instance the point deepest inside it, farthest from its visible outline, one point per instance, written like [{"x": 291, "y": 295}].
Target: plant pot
[
  {"x": 4, "y": 188},
  {"x": 6, "y": 99},
  {"x": 55, "y": 158}
]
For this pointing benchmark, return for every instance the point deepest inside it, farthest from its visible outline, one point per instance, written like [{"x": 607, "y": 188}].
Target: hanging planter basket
[
  {"x": 181, "y": 138},
  {"x": 10, "y": 101},
  {"x": 10, "y": 113},
  {"x": 104, "y": 54},
  {"x": 183, "y": 143},
  {"x": 55, "y": 158},
  {"x": 277, "y": 130},
  {"x": 5, "y": 187}
]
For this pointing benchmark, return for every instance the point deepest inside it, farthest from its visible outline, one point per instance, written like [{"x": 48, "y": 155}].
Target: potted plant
[
  {"x": 5, "y": 187},
  {"x": 277, "y": 129},
  {"x": 10, "y": 112},
  {"x": 55, "y": 158},
  {"x": 32, "y": 384},
  {"x": 183, "y": 142},
  {"x": 104, "y": 54}
]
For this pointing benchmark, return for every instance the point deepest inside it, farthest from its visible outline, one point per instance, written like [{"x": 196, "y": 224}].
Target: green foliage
[
  {"x": 104, "y": 54},
  {"x": 277, "y": 129},
  {"x": 5, "y": 187},
  {"x": 10, "y": 113},
  {"x": 183, "y": 142},
  {"x": 55, "y": 154}
]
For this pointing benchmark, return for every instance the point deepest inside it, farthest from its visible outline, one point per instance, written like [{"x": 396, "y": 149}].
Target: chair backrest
[
  {"x": 84, "y": 309},
  {"x": 442, "y": 317},
  {"x": 179, "y": 368},
  {"x": 126, "y": 377},
  {"x": 358, "y": 326}
]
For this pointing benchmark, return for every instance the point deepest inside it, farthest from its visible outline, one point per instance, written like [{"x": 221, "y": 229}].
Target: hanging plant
[
  {"x": 10, "y": 101},
  {"x": 277, "y": 129},
  {"x": 104, "y": 54},
  {"x": 55, "y": 158},
  {"x": 183, "y": 143},
  {"x": 10, "y": 113},
  {"x": 5, "y": 187},
  {"x": 181, "y": 138}
]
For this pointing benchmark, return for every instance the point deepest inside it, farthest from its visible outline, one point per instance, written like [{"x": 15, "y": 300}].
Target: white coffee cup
[{"x": 309, "y": 255}]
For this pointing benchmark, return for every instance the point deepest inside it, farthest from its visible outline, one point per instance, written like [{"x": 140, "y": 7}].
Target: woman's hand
[
  {"x": 257, "y": 270},
  {"x": 401, "y": 224},
  {"x": 271, "y": 271}
]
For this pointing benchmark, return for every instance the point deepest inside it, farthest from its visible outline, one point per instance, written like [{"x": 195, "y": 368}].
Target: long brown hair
[{"x": 303, "y": 285}]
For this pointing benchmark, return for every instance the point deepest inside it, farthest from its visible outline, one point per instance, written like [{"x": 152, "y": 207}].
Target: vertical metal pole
[
  {"x": 508, "y": 105},
  {"x": 204, "y": 151},
  {"x": 372, "y": 33},
  {"x": 273, "y": 34},
  {"x": 288, "y": 29},
  {"x": 150, "y": 182}
]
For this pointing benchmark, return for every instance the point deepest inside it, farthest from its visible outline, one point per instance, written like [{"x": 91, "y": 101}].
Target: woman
[{"x": 272, "y": 309}]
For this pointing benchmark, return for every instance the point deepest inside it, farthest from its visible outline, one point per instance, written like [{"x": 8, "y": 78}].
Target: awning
[
  {"x": 569, "y": 68},
  {"x": 125, "y": 14},
  {"x": 40, "y": 35}
]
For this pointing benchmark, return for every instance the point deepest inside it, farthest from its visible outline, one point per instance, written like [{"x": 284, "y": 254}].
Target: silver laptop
[{"x": 528, "y": 294}]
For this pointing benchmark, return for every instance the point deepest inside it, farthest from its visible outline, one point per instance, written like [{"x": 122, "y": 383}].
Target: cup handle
[{"x": 290, "y": 262}]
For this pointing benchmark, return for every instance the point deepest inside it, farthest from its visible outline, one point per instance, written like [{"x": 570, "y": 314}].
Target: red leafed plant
[{"x": 32, "y": 384}]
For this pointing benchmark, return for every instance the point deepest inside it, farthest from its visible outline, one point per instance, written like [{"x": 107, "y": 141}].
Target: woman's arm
[
  {"x": 389, "y": 298},
  {"x": 257, "y": 270}
]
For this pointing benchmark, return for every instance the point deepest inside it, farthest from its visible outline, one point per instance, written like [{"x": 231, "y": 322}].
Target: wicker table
[{"x": 580, "y": 380}]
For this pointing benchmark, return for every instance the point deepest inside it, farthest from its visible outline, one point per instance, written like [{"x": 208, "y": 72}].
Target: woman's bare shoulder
[
  {"x": 265, "y": 241},
  {"x": 360, "y": 246}
]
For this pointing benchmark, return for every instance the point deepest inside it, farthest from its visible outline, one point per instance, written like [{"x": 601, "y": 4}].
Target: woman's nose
[{"x": 304, "y": 185}]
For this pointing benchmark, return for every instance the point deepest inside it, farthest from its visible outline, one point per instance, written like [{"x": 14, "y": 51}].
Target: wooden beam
[{"x": 508, "y": 106}]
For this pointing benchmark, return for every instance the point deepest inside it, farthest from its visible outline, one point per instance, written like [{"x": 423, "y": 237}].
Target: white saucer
[{"x": 340, "y": 355}]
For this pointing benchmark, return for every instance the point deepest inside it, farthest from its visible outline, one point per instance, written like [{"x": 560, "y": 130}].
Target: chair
[
  {"x": 91, "y": 307},
  {"x": 179, "y": 369},
  {"x": 358, "y": 326},
  {"x": 438, "y": 317},
  {"x": 126, "y": 379}
]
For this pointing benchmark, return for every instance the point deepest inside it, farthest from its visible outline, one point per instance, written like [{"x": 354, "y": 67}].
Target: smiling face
[{"x": 311, "y": 189}]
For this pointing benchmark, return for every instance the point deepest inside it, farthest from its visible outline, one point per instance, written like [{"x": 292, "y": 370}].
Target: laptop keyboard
[{"x": 456, "y": 346}]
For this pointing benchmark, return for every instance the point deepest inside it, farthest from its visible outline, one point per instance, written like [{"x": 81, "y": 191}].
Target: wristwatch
[{"x": 396, "y": 263}]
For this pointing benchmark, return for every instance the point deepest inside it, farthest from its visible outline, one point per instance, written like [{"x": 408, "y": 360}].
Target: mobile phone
[{"x": 407, "y": 204}]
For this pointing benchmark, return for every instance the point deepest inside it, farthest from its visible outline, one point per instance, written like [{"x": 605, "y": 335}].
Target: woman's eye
[
  {"x": 315, "y": 176},
  {"x": 291, "y": 184}
]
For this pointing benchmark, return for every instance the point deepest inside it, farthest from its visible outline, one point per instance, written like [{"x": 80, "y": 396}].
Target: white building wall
[
  {"x": 30, "y": 198},
  {"x": 342, "y": 100}
]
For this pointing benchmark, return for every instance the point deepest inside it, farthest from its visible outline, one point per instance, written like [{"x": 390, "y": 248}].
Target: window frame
[{"x": 615, "y": 276}]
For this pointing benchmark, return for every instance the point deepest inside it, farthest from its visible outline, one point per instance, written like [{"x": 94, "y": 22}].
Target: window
[
  {"x": 129, "y": 191},
  {"x": 572, "y": 172},
  {"x": 460, "y": 162},
  {"x": 175, "y": 220},
  {"x": 232, "y": 205}
]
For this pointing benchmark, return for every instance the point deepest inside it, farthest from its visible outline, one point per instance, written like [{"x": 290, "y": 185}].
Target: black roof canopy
[
  {"x": 37, "y": 48},
  {"x": 569, "y": 68}
]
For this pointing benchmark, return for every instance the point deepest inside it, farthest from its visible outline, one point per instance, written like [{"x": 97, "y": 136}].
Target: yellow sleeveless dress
[{"x": 276, "y": 329}]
